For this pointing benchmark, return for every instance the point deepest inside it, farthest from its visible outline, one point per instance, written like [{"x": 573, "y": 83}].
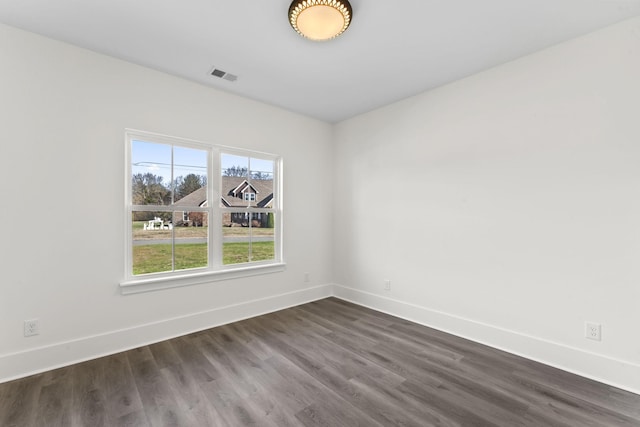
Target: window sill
[{"x": 148, "y": 284}]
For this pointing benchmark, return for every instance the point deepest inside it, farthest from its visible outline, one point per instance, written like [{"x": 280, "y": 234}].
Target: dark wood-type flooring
[{"x": 326, "y": 363}]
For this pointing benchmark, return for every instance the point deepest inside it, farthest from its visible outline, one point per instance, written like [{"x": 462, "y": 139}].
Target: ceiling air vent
[{"x": 224, "y": 75}]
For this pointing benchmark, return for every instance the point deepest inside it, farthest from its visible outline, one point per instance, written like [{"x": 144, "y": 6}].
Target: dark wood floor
[{"x": 327, "y": 363}]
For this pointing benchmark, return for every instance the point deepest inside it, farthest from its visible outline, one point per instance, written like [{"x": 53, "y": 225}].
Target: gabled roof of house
[
  {"x": 197, "y": 198},
  {"x": 233, "y": 189}
]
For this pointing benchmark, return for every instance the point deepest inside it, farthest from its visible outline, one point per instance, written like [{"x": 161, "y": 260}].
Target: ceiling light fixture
[{"x": 320, "y": 19}]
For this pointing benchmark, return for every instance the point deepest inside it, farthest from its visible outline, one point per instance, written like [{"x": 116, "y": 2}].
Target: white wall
[
  {"x": 63, "y": 112},
  {"x": 505, "y": 207}
]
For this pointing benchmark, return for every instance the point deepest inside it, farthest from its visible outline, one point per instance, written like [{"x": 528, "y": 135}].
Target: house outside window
[{"x": 173, "y": 231}]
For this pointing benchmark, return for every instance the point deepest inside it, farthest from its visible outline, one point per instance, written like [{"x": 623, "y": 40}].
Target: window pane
[
  {"x": 191, "y": 243},
  {"x": 262, "y": 236},
  {"x": 246, "y": 182},
  {"x": 234, "y": 182},
  {"x": 247, "y": 237},
  {"x": 190, "y": 177},
  {"x": 261, "y": 174},
  {"x": 150, "y": 173},
  {"x": 152, "y": 248},
  {"x": 232, "y": 165},
  {"x": 158, "y": 246},
  {"x": 236, "y": 237}
]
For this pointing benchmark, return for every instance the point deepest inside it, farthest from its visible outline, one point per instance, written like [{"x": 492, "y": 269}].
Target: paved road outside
[{"x": 231, "y": 239}]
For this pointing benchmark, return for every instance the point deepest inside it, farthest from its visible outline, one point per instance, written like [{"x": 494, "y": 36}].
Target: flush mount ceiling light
[{"x": 320, "y": 19}]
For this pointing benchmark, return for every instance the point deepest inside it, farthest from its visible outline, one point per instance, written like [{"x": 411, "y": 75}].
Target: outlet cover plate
[
  {"x": 31, "y": 328},
  {"x": 593, "y": 331}
]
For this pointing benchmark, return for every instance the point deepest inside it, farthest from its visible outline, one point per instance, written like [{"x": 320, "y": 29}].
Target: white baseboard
[
  {"x": 41, "y": 359},
  {"x": 618, "y": 373}
]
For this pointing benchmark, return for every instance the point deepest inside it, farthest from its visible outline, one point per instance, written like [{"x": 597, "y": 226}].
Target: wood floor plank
[
  {"x": 374, "y": 405},
  {"x": 54, "y": 402},
  {"x": 333, "y": 377},
  {"x": 121, "y": 394},
  {"x": 190, "y": 398},
  {"x": 157, "y": 397},
  {"x": 330, "y": 413},
  {"x": 276, "y": 389},
  {"x": 347, "y": 363},
  {"x": 491, "y": 360},
  {"x": 299, "y": 387},
  {"x": 131, "y": 419},
  {"x": 567, "y": 407},
  {"x": 234, "y": 409},
  {"x": 250, "y": 339},
  {"x": 191, "y": 354},
  {"x": 299, "y": 322},
  {"x": 611, "y": 398},
  {"x": 426, "y": 345},
  {"x": 252, "y": 382},
  {"x": 380, "y": 357},
  {"x": 361, "y": 314},
  {"x": 19, "y": 401},
  {"x": 244, "y": 368},
  {"x": 445, "y": 404},
  {"x": 393, "y": 398},
  {"x": 325, "y": 363},
  {"x": 164, "y": 354},
  {"x": 456, "y": 378},
  {"x": 89, "y": 399}
]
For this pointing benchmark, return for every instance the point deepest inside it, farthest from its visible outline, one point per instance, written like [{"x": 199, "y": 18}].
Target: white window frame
[
  {"x": 249, "y": 197},
  {"x": 215, "y": 271}
]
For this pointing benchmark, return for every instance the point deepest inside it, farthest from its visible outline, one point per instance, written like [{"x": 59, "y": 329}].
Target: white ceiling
[{"x": 392, "y": 50}]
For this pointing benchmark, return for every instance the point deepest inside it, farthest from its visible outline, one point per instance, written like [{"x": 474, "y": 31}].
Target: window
[
  {"x": 248, "y": 215},
  {"x": 175, "y": 232}
]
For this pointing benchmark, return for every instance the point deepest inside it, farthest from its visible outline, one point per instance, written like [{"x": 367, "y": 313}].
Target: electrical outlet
[
  {"x": 31, "y": 328},
  {"x": 306, "y": 277},
  {"x": 593, "y": 331},
  {"x": 387, "y": 285}
]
